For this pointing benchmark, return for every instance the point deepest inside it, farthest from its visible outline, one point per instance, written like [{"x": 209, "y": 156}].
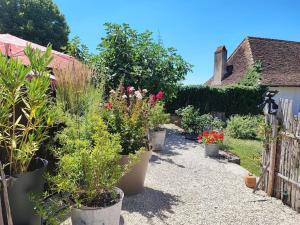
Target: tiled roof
[{"x": 280, "y": 61}]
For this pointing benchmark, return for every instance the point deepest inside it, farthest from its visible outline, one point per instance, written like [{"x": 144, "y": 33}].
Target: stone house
[{"x": 280, "y": 64}]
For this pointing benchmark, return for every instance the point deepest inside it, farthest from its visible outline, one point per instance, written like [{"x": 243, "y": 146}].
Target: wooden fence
[{"x": 281, "y": 158}]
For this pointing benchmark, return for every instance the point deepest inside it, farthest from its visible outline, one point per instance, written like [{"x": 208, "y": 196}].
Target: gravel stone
[{"x": 183, "y": 187}]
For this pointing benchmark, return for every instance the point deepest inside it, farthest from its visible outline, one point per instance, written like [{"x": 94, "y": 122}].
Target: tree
[
  {"x": 38, "y": 21},
  {"x": 78, "y": 50},
  {"x": 137, "y": 60},
  {"x": 252, "y": 75}
]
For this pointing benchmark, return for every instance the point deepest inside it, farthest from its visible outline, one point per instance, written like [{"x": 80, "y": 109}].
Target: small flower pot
[
  {"x": 157, "y": 139},
  {"x": 91, "y": 215},
  {"x": 211, "y": 150},
  {"x": 133, "y": 181},
  {"x": 250, "y": 180},
  {"x": 19, "y": 189}
]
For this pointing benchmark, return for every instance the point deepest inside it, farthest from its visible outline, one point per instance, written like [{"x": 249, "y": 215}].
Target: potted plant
[
  {"x": 211, "y": 141},
  {"x": 24, "y": 119},
  {"x": 194, "y": 123},
  {"x": 157, "y": 117},
  {"x": 89, "y": 170},
  {"x": 126, "y": 113}
]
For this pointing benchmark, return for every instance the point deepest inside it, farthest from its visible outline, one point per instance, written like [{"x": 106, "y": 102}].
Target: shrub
[
  {"x": 126, "y": 113},
  {"x": 194, "y": 123},
  {"x": 24, "y": 108},
  {"x": 230, "y": 100},
  {"x": 244, "y": 127},
  {"x": 157, "y": 116},
  {"x": 89, "y": 165}
]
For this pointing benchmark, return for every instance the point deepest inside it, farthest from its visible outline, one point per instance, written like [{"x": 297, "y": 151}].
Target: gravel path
[{"x": 184, "y": 188}]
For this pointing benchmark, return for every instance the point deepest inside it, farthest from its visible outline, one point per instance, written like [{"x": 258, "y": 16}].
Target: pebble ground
[{"x": 183, "y": 187}]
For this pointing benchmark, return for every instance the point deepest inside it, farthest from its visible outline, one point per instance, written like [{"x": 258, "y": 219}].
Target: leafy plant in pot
[
  {"x": 24, "y": 118},
  {"x": 194, "y": 123},
  {"x": 89, "y": 169},
  {"x": 126, "y": 113},
  {"x": 211, "y": 140},
  {"x": 157, "y": 117}
]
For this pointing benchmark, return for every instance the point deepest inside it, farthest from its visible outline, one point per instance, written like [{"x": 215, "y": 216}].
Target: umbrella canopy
[{"x": 13, "y": 47}]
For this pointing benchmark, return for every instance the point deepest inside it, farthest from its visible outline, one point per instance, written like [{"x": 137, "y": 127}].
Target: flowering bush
[
  {"x": 211, "y": 137},
  {"x": 129, "y": 113},
  {"x": 126, "y": 113}
]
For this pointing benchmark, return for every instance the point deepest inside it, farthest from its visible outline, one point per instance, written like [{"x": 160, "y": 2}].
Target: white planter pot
[
  {"x": 211, "y": 150},
  {"x": 100, "y": 216},
  {"x": 157, "y": 139}
]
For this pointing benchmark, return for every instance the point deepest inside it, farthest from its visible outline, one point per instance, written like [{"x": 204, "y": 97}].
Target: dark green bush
[
  {"x": 244, "y": 127},
  {"x": 230, "y": 100},
  {"x": 194, "y": 123}
]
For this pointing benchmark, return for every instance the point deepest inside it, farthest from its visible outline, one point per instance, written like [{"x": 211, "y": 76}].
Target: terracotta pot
[
  {"x": 250, "y": 181},
  {"x": 157, "y": 139},
  {"x": 211, "y": 150},
  {"x": 133, "y": 182},
  {"x": 89, "y": 215}
]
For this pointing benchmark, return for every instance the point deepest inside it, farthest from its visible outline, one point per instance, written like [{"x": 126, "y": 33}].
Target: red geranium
[{"x": 212, "y": 137}]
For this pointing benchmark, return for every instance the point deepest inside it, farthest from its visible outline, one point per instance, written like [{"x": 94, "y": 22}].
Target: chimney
[{"x": 220, "y": 65}]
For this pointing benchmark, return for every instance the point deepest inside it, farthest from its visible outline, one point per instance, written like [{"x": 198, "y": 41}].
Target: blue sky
[{"x": 194, "y": 27}]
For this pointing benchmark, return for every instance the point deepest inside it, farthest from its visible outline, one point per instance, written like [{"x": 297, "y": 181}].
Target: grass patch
[{"x": 249, "y": 152}]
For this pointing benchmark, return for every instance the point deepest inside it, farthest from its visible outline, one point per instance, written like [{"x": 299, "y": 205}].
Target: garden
[{"x": 79, "y": 145}]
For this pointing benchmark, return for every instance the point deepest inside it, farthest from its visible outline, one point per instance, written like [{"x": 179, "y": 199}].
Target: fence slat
[{"x": 282, "y": 153}]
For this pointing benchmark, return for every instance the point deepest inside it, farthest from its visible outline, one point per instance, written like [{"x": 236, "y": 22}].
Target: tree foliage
[
  {"x": 78, "y": 50},
  {"x": 38, "y": 21},
  {"x": 137, "y": 60},
  {"x": 252, "y": 75}
]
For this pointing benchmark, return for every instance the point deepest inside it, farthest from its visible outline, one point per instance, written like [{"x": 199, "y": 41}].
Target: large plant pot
[
  {"x": 157, "y": 139},
  {"x": 211, "y": 150},
  {"x": 133, "y": 181},
  {"x": 19, "y": 189},
  {"x": 103, "y": 216}
]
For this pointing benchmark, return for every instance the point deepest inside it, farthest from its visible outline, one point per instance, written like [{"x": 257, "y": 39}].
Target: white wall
[{"x": 289, "y": 93}]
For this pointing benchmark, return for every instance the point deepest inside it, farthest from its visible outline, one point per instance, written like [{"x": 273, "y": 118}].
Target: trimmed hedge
[{"x": 230, "y": 99}]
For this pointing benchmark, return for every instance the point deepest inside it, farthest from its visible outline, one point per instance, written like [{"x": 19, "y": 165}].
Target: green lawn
[{"x": 249, "y": 152}]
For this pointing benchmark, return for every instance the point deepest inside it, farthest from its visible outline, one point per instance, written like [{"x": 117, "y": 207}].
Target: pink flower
[
  {"x": 130, "y": 89},
  {"x": 159, "y": 95},
  {"x": 152, "y": 99}
]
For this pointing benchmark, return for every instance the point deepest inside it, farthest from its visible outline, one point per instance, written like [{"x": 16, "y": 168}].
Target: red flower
[
  {"x": 221, "y": 136},
  {"x": 108, "y": 105},
  {"x": 205, "y": 133},
  {"x": 159, "y": 95}
]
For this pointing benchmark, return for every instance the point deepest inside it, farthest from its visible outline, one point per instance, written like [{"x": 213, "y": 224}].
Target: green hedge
[{"x": 231, "y": 99}]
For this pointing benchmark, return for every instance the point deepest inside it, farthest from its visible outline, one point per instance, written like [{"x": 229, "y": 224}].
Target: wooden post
[
  {"x": 1, "y": 216},
  {"x": 5, "y": 196},
  {"x": 272, "y": 156}
]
